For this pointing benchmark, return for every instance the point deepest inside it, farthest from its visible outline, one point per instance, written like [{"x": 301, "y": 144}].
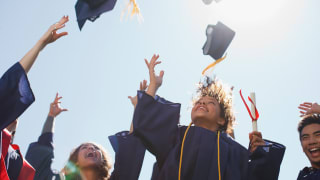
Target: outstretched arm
[
  {"x": 55, "y": 110},
  {"x": 40, "y": 154},
  {"x": 134, "y": 100},
  {"x": 50, "y": 36}
]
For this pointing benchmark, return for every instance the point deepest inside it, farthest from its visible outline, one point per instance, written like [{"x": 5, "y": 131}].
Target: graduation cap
[
  {"x": 207, "y": 2},
  {"x": 219, "y": 38},
  {"x": 92, "y": 9}
]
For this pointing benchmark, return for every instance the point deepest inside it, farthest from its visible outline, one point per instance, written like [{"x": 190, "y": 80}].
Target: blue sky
[{"x": 274, "y": 54}]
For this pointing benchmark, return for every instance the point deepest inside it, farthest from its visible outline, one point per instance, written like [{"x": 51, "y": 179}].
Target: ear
[{"x": 221, "y": 121}]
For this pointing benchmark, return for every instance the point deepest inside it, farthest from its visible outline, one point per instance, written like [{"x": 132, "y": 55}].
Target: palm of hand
[{"x": 55, "y": 109}]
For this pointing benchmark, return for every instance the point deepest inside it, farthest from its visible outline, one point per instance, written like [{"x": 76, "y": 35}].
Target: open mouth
[
  {"x": 202, "y": 108},
  {"x": 90, "y": 155},
  {"x": 315, "y": 152}
]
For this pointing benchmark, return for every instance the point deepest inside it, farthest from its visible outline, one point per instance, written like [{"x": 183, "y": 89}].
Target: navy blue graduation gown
[
  {"x": 40, "y": 155},
  {"x": 129, "y": 155},
  {"x": 15, "y": 95},
  {"x": 156, "y": 124},
  {"x": 309, "y": 174}
]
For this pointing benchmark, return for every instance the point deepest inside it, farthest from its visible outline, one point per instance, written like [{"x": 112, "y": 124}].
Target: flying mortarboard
[
  {"x": 92, "y": 9},
  {"x": 219, "y": 38}
]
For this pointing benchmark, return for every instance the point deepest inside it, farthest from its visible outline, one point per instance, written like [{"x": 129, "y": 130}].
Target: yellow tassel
[
  {"x": 133, "y": 9},
  {"x": 213, "y": 64}
]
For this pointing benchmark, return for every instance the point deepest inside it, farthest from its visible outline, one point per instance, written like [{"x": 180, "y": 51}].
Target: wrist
[
  {"x": 51, "y": 115},
  {"x": 41, "y": 44}
]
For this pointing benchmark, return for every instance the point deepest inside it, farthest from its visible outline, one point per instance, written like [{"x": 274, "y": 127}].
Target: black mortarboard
[
  {"x": 92, "y": 9},
  {"x": 218, "y": 39}
]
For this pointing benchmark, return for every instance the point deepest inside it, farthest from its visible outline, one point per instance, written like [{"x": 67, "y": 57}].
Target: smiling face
[
  {"x": 206, "y": 113},
  {"x": 310, "y": 142},
  {"x": 89, "y": 155}
]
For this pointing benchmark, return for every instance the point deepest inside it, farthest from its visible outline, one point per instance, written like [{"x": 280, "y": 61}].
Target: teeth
[
  {"x": 314, "y": 149},
  {"x": 202, "y": 108}
]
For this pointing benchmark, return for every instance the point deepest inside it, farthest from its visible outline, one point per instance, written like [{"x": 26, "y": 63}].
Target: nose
[
  {"x": 91, "y": 148},
  {"x": 202, "y": 102},
  {"x": 312, "y": 140}
]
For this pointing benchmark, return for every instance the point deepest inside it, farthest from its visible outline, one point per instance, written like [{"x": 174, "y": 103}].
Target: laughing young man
[{"x": 309, "y": 131}]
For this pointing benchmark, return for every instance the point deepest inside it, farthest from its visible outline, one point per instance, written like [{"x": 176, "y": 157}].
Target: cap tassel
[
  {"x": 135, "y": 10},
  {"x": 213, "y": 64}
]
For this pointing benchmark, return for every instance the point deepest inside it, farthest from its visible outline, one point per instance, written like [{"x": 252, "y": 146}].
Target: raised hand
[
  {"x": 55, "y": 108},
  {"x": 51, "y": 35},
  {"x": 255, "y": 140},
  {"x": 155, "y": 80},
  {"x": 309, "y": 108},
  {"x": 143, "y": 87}
]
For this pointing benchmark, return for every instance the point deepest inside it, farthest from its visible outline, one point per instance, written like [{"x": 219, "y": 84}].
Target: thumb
[{"x": 161, "y": 74}]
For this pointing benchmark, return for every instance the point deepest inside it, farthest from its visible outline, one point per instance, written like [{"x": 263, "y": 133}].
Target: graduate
[
  {"x": 15, "y": 97},
  {"x": 204, "y": 150},
  {"x": 89, "y": 160},
  {"x": 309, "y": 133}
]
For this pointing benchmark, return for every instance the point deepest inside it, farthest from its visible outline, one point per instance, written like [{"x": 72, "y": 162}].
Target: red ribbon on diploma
[{"x": 255, "y": 109}]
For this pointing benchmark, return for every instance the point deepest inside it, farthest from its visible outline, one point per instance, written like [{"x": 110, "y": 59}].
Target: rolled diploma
[{"x": 253, "y": 112}]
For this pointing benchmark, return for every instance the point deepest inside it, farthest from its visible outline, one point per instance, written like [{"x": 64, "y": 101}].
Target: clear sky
[{"x": 274, "y": 53}]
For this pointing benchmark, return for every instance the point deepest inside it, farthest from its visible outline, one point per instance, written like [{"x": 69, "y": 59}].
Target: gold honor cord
[
  {"x": 218, "y": 142},
  {"x": 184, "y": 138},
  {"x": 213, "y": 64},
  {"x": 182, "y": 146}
]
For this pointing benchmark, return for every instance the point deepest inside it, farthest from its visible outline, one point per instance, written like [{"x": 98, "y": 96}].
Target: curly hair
[
  {"x": 223, "y": 94},
  {"x": 102, "y": 169}
]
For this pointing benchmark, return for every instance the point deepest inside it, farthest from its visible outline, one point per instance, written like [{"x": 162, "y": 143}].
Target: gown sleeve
[
  {"x": 40, "y": 155},
  {"x": 129, "y": 155},
  {"x": 15, "y": 95},
  {"x": 155, "y": 122},
  {"x": 265, "y": 161}
]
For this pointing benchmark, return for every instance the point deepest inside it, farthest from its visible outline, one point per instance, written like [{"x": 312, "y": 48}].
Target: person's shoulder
[
  {"x": 232, "y": 142},
  {"x": 309, "y": 172}
]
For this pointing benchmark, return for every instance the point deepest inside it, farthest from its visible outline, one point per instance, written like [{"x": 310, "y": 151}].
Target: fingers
[
  {"x": 143, "y": 85},
  {"x": 303, "y": 113},
  {"x": 147, "y": 63},
  {"x": 256, "y": 140},
  {"x": 64, "y": 110},
  {"x": 307, "y": 104},
  {"x": 154, "y": 58},
  {"x": 303, "y": 108},
  {"x": 62, "y": 21},
  {"x": 161, "y": 74},
  {"x": 153, "y": 62},
  {"x": 57, "y": 36},
  {"x": 255, "y": 145}
]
